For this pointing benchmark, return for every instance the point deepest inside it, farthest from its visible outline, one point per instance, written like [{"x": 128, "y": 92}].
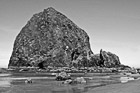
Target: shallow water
[{"x": 43, "y": 84}]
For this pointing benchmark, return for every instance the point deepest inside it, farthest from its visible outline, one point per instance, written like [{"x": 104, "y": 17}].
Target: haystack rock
[{"x": 49, "y": 39}]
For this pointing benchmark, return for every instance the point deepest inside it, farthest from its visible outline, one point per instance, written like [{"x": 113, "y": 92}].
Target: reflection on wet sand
[
  {"x": 41, "y": 84},
  {"x": 5, "y": 83},
  {"x": 16, "y": 84}
]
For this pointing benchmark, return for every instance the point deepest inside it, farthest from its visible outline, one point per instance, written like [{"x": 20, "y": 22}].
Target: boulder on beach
[
  {"x": 28, "y": 81},
  {"x": 62, "y": 76},
  {"x": 78, "y": 80}
]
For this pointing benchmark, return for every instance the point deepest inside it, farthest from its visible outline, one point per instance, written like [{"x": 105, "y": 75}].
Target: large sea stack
[{"x": 49, "y": 39}]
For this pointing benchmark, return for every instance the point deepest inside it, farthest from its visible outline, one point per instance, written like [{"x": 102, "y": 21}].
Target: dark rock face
[
  {"x": 49, "y": 38},
  {"x": 105, "y": 59}
]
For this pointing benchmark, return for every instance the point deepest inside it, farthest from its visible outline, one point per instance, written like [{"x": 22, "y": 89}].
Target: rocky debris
[
  {"x": 28, "y": 81},
  {"x": 78, "y": 80},
  {"x": 62, "y": 76},
  {"x": 69, "y": 81},
  {"x": 105, "y": 59},
  {"x": 49, "y": 39}
]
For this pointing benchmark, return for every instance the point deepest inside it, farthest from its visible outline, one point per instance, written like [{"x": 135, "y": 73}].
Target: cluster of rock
[
  {"x": 62, "y": 76},
  {"x": 105, "y": 59},
  {"x": 78, "y": 80},
  {"x": 51, "y": 39}
]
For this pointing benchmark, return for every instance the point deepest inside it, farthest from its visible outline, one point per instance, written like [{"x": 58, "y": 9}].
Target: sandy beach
[
  {"x": 98, "y": 83},
  {"x": 129, "y": 87}
]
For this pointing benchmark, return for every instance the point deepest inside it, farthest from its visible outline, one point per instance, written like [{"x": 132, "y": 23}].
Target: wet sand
[
  {"x": 129, "y": 87},
  {"x": 97, "y": 83}
]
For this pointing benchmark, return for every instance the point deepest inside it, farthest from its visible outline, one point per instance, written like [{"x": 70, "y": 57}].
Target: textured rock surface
[
  {"x": 49, "y": 38},
  {"x": 105, "y": 59}
]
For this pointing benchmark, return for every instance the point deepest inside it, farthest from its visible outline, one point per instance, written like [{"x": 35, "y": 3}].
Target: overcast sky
[{"x": 112, "y": 25}]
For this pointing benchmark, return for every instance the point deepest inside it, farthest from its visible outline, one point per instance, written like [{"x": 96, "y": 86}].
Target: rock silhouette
[{"x": 49, "y": 39}]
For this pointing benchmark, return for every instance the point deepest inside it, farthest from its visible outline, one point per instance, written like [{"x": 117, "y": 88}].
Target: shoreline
[{"x": 96, "y": 83}]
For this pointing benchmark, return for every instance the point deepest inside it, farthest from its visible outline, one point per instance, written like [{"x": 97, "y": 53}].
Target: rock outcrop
[
  {"x": 105, "y": 59},
  {"x": 49, "y": 38}
]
